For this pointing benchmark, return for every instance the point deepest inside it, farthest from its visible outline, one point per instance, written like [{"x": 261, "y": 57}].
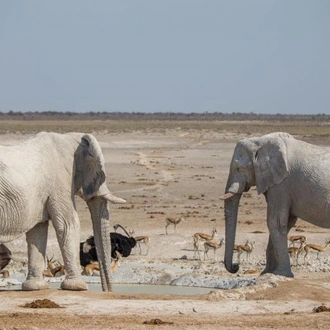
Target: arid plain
[{"x": 179, "y": 169}]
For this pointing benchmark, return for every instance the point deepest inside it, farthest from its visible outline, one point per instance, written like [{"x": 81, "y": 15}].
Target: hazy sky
[{"x": 165, "y": 55}]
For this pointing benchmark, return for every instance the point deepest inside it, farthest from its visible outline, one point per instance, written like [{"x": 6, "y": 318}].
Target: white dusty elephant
[
  {"x": 294, "y": 176},
  {"x": 39, "y": 179}
]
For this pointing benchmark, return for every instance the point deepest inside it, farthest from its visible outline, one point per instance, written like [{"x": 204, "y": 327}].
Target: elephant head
[
  {"x": 260, "y": 162},
  {"x": 90, "y": 184}
]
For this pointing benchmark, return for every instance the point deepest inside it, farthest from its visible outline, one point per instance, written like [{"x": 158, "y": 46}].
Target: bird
[{"x": 119, "y": 244}]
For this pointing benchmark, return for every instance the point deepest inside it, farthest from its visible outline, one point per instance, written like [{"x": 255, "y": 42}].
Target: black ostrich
[
  {"x": 87, "y": 252},
  {"x": 5, "y": 256},
  {"x": 119, "y": 244}
]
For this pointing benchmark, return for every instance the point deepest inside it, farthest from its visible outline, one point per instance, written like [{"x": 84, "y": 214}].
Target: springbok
[
  {"x": 202, "y": 237},
  {"x": 317, "y": 248},
  {"x": 247, "y": 247},
  {"x": 212, "y": 245},
  {"x": 294, "y": 252},
  {"x": 296, "y": 238},
  {"x": 140, "y": 239},
  {"x": 54, "y": 268},
  {"x": 173, "y": 221},
  {"x": 89, "y": 269}
]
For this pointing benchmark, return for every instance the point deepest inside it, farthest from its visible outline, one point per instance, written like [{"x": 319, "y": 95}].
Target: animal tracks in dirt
[{"x": 165, "y": 175}]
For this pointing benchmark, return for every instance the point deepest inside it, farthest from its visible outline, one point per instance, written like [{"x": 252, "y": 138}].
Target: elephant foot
[
  {"x": 74, "y": 284},
  {"x": 281, "y": 272},
  {"x": 34, "y": 284},
  {"x": 266, "y": 271},
  {"x": 286, "y": 273}
]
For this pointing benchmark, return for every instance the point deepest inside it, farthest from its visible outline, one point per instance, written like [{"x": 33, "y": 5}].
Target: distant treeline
[{"x": 206, "y": 116}]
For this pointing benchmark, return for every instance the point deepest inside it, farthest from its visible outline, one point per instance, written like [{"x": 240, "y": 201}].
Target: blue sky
[{"x": 165, "y": 55}]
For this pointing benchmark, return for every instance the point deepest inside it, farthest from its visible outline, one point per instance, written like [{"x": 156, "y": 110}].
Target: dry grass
[{"x": 302, "y": 128}]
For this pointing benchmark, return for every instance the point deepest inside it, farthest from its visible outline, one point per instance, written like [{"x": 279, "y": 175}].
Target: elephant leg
[
  {"x": 278, "y": 260},
  {"x": 68, "y": 233},
  {"x": 280, "y": 251},
  {"x": 36, "y": 239},
  {"x": 270, "y": 258}
]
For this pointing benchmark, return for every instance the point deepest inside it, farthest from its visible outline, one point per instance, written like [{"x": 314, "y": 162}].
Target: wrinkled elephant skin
[
  {"x": 39, "y": 180},
  {"x": 294, "y": 176}
]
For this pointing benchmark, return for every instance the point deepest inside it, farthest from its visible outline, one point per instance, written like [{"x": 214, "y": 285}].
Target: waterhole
[
  {"x": 153, "y": 289},
  {"x": 133, "y": 288}
]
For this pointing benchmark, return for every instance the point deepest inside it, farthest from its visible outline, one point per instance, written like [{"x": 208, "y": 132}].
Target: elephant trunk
[
  {"x": 231, "y": 210},
  {"x": 101, "y": 228}
]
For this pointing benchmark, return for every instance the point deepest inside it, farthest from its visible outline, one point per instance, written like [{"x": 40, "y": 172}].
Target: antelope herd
[
  {"x": 210, "y": 244},
  {"x": 305, "y": 248},
  {"x": 122, "y": 246}
]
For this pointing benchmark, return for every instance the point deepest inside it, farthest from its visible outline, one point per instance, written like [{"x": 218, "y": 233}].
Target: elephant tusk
[
  {"x": 227, "y": 196},
  {"x": 114, "y": 199},
  {"x": 105, "y": 193}
]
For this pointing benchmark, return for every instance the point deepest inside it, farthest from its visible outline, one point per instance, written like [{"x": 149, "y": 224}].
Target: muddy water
[
  {"x": 134, "y": 288},
  {"x": 153, "y": 289}
]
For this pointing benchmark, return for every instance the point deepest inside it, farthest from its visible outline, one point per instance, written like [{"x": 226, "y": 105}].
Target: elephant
[
  {"x": 294, "y": 177},
  {"x": 39, "y": 179}
]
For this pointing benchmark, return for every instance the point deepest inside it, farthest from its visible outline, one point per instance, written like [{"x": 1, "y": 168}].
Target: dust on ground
[{"x": 179, "y": 173}]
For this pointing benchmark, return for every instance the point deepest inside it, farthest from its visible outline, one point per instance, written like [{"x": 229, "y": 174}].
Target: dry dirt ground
[{"x": 179, "y": 173}]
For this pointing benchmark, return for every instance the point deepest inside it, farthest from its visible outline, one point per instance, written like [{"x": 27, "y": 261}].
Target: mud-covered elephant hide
[
  {"x": 39, "y": 180},
  {"x": 293, "y": 175}
]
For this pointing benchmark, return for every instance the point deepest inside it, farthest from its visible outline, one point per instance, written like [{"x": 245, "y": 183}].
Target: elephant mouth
[
  {"x": 236, "y": 189},
  {"x": 227, "y": 195}
]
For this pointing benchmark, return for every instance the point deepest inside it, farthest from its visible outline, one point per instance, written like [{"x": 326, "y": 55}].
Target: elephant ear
[
  {"x": 92, "y": 166},
  {"x": 270, "y": 163}
]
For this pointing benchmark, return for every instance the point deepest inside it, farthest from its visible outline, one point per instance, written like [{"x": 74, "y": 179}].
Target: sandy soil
[{"x": 176, "y": 173}]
